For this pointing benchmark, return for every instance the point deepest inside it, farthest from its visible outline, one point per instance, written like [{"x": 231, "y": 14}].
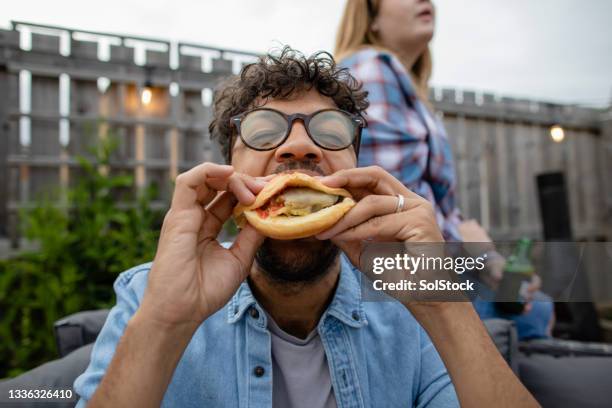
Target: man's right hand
[{"x": 192, "y": 275}]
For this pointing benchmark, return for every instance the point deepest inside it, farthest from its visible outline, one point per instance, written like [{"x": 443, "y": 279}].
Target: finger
[
  {"x": 217, "y": 213},
  {"x": 533, "y": 288},
  {"x": 373, "y": 229},
  {"x": 371, "y": 179},
  {"x": 369, "y": 207},
  {"x": 191, "y": 187},
  {"x": 244, "y": 248},
  {"x": 403, "y": 226},
  {"x": 255, "y": 184},
  {"x": 361, "y": 179},
  {"x": 239, "y": 187},
  {"x": 243, "y": 186},
  {"x": 534, "y": 284}
]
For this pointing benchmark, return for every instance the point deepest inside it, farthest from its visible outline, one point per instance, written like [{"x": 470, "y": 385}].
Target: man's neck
[{"x": 296, "y": 308}]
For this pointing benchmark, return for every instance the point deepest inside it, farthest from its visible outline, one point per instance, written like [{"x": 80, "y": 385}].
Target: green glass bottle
[{"x": 518, "y": 272}]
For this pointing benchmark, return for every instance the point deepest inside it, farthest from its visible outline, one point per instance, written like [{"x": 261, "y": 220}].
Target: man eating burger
[{"x": 276, "y": 318}]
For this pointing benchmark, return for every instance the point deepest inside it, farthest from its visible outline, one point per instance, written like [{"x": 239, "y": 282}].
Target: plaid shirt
[{"x": 403, "y": 137}]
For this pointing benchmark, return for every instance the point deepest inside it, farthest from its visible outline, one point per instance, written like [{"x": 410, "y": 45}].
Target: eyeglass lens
[{"x": 265, "y": 129}]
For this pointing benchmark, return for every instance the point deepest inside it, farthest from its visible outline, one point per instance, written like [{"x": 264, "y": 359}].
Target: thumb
[{"x": 245, "y": 245}]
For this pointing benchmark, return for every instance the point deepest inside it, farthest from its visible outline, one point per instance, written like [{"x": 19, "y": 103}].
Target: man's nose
[{"x": 298, "y": 146}]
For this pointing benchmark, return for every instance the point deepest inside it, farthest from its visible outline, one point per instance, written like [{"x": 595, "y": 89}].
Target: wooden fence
[
  {"x": 500, "y": 145},
  {"x": 62, "y": 89}
]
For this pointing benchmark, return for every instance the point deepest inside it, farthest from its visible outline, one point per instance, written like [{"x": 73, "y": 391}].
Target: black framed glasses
[{"x": 266, "y": 129}]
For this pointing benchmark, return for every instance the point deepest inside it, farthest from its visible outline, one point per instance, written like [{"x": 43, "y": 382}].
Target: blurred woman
[{"x": 385, "y": 44}]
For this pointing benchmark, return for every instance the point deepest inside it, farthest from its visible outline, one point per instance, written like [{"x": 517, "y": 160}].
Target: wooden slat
[
  {"x": 459, "y": 135},
  {"x": 493, "y": 175},
  {"x": 483, "y": 168},
  {"x": 53, "y": 66},
  {"x": 120, "y": 120},
  {"x": 174, "y": 153},
  {"x": 519, "y": 171},
  {"x": 64, "y": 176},
  {"x": 471, "y": 165},
  {"x": 534, "y": 162},
  {"x": 504, "y": 195},
  {"x": 140, "y": 157},
  {"x": 508, "y": 114}
]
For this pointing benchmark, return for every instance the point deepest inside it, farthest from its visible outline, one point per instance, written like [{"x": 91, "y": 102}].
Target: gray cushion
[
  {"x": 561, "y": 347},
  {"x": 504, "y": 335},
  {"x": 78, "y": 329},
  {"x": 583, "y": 382},
  {"x": 54, "y": 375}
]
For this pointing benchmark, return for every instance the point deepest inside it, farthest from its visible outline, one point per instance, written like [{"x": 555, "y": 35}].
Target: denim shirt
[{"x": 378, "y": 355}]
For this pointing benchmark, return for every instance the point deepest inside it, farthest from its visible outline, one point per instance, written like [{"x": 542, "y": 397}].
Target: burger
[{"x": 294, "y": 205}]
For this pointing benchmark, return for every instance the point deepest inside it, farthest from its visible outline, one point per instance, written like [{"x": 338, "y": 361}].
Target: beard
[{"x": 297, "y": 262}]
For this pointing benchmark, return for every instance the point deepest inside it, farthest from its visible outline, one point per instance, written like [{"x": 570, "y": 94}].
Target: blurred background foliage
[{"x": 103, "y": 228}]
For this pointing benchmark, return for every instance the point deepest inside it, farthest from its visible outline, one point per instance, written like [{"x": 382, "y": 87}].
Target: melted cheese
[{"x": 303, "y": 201}]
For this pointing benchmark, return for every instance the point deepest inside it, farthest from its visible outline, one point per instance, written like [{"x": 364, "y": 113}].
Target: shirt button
[
  {"x": 355, "y": 315},
  {"x": 254, "y": 313},
  {"x": 259, "y": 371}
]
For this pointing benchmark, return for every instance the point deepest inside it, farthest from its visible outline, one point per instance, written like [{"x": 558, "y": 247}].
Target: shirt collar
[
  {"x": 403, "y": 77},
  {"x": 368, "y": 55},
  {"x": 346, "y": 305}
]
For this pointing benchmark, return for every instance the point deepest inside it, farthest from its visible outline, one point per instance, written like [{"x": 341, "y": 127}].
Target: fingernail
[{"x": 249, "y": 198}]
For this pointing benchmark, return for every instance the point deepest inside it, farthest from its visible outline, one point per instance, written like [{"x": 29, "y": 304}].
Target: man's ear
[
  {"x": 356, "y": 147},
  {"x": 355, "y": 155},
  {"x": 230, "y": 148}
]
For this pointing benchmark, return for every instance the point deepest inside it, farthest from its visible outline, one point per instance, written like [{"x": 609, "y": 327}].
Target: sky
[{"x": 549, "y": 50}]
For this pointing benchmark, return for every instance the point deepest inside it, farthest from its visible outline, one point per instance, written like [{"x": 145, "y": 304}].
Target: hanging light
[
  {"x": 557, "y": 134},
  {"x": 103, "y": 84},
  {"x": 146, "y": 96}
]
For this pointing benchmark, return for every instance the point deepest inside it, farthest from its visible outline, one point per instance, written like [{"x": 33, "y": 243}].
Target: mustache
[{"x": 299, "y": 165}]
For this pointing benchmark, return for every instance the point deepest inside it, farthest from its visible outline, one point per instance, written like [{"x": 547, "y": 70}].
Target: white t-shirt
[{"x": 300, "y": 374}]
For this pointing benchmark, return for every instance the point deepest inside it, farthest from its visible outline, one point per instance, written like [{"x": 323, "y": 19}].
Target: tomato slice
[
  {"x": 263, "y": 213},
  {"x": 270, "y": 207}
]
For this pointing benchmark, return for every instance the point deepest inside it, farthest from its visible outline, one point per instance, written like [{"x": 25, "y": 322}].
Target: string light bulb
[
  {"x": 557, "y": 134},
  {"x": 146, "y": 96}
]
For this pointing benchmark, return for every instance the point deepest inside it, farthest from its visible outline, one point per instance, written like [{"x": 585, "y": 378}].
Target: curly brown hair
[{"x": 282, "y": 76}]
